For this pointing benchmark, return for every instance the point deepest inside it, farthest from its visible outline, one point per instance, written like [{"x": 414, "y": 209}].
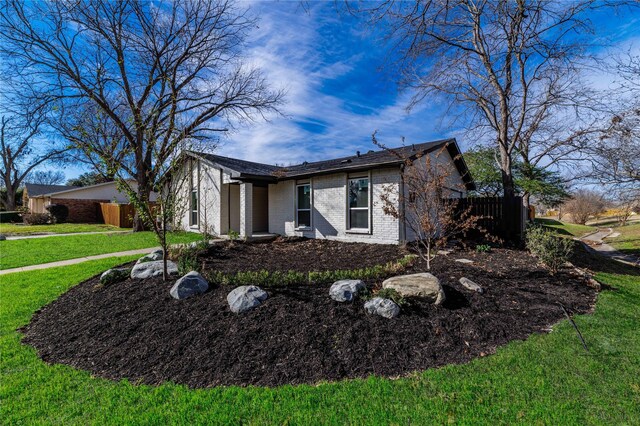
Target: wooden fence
[
  {"x": 120, "y": 215},
  {"x": 503, "y": 217}
]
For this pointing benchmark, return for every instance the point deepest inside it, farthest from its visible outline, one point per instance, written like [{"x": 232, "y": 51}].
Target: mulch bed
[{"x": 135, "y": 330}]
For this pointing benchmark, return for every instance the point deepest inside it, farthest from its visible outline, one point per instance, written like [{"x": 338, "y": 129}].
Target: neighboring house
[
  {"x": 334, "y": 199},
  {"x": 82, "y": 201}
]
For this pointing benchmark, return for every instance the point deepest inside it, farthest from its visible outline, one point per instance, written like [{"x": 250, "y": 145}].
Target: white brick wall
[{"x": 329, "y": 217}]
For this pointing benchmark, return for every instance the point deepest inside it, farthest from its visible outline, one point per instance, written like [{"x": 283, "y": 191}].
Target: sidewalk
[
  {"x": 595, "y": 241},
  {"x": 27, "y": 237},
  {"x": 78, "y": 260}
]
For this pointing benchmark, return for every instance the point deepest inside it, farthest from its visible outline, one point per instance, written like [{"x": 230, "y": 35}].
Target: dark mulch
[
  {"x": 135, "y": 330},
  {"x": 298, "y": 254}
]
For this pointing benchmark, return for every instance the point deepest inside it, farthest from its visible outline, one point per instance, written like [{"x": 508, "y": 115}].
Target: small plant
[
  {"x": 483, "y": 248},
  {"x": 233, "y": 235},
  {"x": 36, "y": 218},
  {"x": 59, "y": 212},
  {"x": 551, "y": 250},
  {"x": 390, "y": 293},
  {"x": 187, "y": 257}
]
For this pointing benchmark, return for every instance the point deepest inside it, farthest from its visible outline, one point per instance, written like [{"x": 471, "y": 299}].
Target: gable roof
[
  {"x": 34, "y": 189},
  {"x": 248, "y": 170}
]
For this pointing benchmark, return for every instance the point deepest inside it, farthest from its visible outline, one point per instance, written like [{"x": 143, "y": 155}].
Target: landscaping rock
[
  {"x": 417, "y": 285},
  {"x": 346, "y": 290},
  {"x": 114, "y": 275},
  {"x": 470, "y": 285},
  {"x": 2, "y": 237},
  {"x": 154, "y": 255},
  {"x": 152, "y": 269},
  {"x": 189, "y": 285},
  {"x": 384, "y": 307},
  {"x": 467, "y": 261},
  {"x": 245, "y": 298}
]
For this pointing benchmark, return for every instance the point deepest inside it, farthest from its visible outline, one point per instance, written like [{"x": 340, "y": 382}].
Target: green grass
[
  {"x": 628, "y": 241},
  {"x": 565, "y": 228},
  {"x": 547, "y": 379},
  {"x": 17, "y": 253},
  {"x": 60, "y": 228}
]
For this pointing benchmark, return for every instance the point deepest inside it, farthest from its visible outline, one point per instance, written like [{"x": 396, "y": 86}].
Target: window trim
[
  {"x": 194, "y": 187},
  {"x": 297, "y": 226},
  {"x": 368, "y": 229}
]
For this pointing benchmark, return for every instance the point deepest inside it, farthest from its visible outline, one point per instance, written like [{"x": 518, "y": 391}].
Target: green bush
[
  {"x": 59, "y": 212},
  {"x": 10, "y": 217},
  {"x": 286, "y": 278},
  {"x": 390, "y": 293},
  {"x": 483, "y": 248},
  {"x": 36, "y": 218},
  {"x": 186, "y": 257},
  {"x": 551, "y": 250}
]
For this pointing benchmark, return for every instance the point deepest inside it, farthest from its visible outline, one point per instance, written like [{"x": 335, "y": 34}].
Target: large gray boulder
[
  {"x": 2, "y": 237},
  {"x": 470, "y": 285},
  {"x": 346, "y": 290},
  {"x": 189, "y": 285},
  {"x": 114, "y": 275},
  {"x": 422, "y": 285},
  {"x": 152, "y": 269},
  {"x": 154, "y": 255},
  {"x": 384, "y": 307},
  {"x": 245, "y": 298}
]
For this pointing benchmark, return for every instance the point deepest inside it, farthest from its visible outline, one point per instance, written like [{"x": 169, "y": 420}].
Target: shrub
[
  {"x": 36, "y": 218},
  {"x": 286, "y": 278},
  {"x": 390, "y": 293},
  {"x": 59, "y": 212},
  {"x": 551, "y": 250},
  {"x": 9, "y": 217},
  {"x": 187, "y": 257},
  {"x": 483, "y": 248}
]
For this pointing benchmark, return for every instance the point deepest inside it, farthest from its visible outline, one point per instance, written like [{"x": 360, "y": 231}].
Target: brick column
[{"x": 246, "y": 210}]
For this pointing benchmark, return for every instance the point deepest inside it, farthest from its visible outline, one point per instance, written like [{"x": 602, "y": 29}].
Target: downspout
[{"x": 404, "y": 219}]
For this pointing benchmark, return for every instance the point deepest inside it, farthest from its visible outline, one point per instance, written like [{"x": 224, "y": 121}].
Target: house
[
  {"x": 82, "y": 201},
  {"x": 334, "y": 199}
]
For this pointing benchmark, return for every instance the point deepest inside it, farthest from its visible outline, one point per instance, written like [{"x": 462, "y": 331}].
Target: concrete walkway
[
  {"x": 78, "y": 260},
  {"x": 596, "y": 242},
  {"x": 28, "y": 237}
]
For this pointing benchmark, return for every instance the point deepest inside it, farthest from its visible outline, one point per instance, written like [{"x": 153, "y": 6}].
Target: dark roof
[
  {"x": 34, "y": 189},
  {"x": 247, "y": 170}
]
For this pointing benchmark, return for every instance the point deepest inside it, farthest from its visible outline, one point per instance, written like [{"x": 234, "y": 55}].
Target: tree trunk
[
  {"x": 526, "y": 203},
  {"x": 10, "y": 203},
  {"x": 144, "y": 193}
]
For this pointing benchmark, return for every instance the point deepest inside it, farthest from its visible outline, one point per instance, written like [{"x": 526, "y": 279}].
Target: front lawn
[
  {"x": 59, "y": 228},
  {"x": 629, "y": 240},
  {"x": 17, "y": 253},
  {"x": 566, "y": 228},
  {"x": 547, "y": 379}
]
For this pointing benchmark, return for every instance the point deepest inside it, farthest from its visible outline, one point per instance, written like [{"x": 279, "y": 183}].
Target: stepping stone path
[
  {"x": 417, "y": 285},
  {"x": 464, "y": 261},
  {"x": 386, "y": 308},
  {"x": 245, "y": 298},
  {"x": 470, "y": 285},
  {"x": 189, "y": 285},
  {"x": 346, "y": 290},
  {"x": 152, "y": 269}
]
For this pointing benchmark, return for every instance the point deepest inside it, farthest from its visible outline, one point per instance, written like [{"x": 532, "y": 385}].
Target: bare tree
[
  {"x": 164, "y": 72},
  {"x": 21, "y": 150},
  {"x": 423, "y": 202},
  {"x": 584, "y": 204},
  {"x": 47, "y": 177},
  {"x": 509, "y": 67}
]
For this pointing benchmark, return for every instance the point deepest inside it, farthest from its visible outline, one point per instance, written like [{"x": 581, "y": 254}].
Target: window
[
  {"x": 359, "y": 203},
  {"x": 303, "y": 205},
  {"x": 193, "y": 201}
]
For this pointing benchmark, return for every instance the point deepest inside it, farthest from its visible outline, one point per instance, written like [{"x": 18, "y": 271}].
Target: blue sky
[{"x": 337, "y": 96}]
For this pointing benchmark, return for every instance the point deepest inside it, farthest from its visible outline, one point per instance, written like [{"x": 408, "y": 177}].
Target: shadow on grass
[
  {"x": 551, "y": 224},
  {"x": 583, "y": 258}
]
